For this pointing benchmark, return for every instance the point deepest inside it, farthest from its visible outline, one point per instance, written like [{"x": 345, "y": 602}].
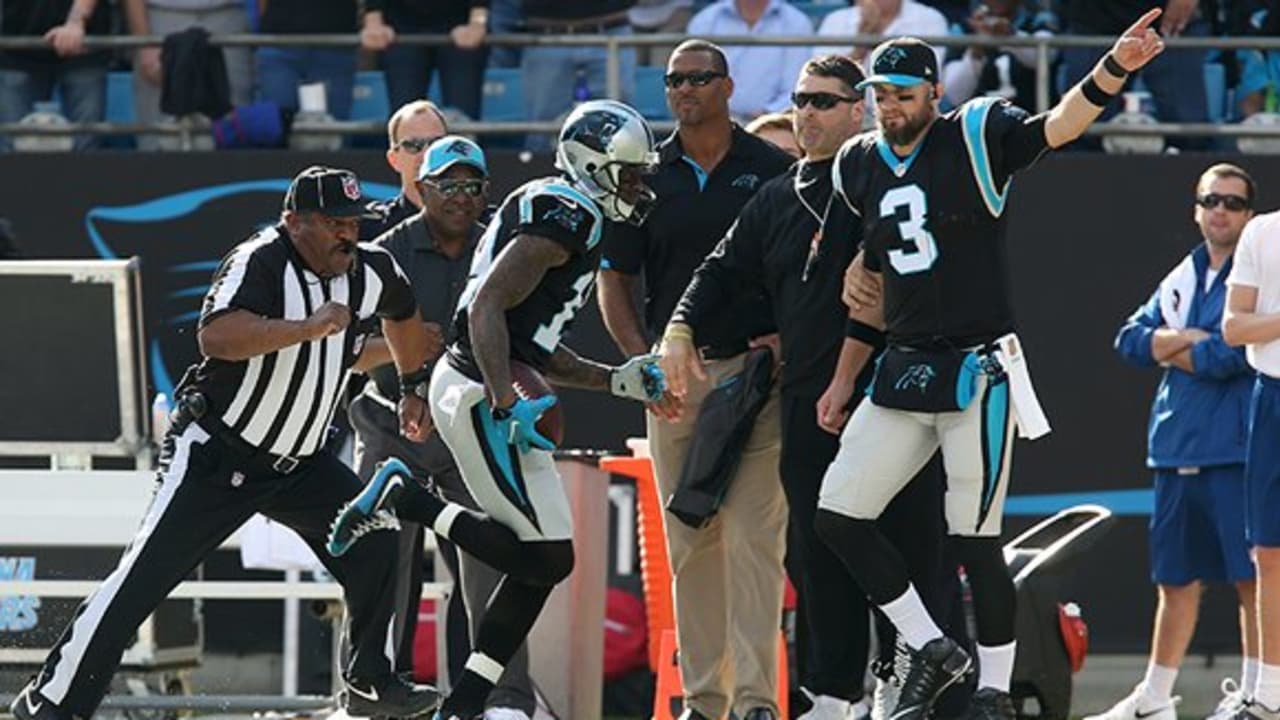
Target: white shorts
[
  {"x": 521, "y": 490},
  {"x": 882, "y": 449}
]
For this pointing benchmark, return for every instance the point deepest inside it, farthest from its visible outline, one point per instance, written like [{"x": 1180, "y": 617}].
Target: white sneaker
[
  {"x": 504, "y": 713},
  {"x": 1232, "y": 701},
  {"x": 884, "y": 699},
  {"x": 1134, "y": 707},
  {"x": 828, "y": 707}
]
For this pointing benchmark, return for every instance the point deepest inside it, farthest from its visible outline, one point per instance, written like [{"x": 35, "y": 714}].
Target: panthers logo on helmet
[{"x": 596, "y": 129}]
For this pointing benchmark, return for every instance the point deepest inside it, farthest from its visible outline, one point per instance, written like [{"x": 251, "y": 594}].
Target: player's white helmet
[{"x": 606, "y": 148}]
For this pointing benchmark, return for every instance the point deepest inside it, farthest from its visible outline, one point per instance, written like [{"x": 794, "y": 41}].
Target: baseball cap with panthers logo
[
  {"x": 328, "y": 191},
  {"x": 452, "y": 150},
  {"x": 903, "y": 61}
]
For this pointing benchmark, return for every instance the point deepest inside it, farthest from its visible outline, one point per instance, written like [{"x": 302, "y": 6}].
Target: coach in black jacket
[{"x": 794, "y": 243}]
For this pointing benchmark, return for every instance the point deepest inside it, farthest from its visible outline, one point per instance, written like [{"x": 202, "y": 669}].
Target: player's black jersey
[
  {"x": 933, "y": 223},
  {"x": 553, "y": 209}
]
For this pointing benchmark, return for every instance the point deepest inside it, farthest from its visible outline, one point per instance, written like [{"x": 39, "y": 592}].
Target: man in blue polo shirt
[{"x": 1196, "y": 446}]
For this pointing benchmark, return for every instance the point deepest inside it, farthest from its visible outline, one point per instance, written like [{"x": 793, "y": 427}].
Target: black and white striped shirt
[{"x": 282, "y": 402}]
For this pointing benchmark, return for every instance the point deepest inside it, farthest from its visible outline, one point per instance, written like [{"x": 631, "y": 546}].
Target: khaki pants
[{"x": 727, "y": 576}]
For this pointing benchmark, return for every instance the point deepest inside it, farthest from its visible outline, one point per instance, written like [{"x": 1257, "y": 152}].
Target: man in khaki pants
[{"x": 728, "y": 576}]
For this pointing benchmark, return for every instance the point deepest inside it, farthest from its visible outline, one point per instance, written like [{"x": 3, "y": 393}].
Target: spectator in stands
[
  {"x": 1004, "y": 72},
  {"x": 777, "y": 128},
  {"x": 662, "y": 17},
  {"x": 557, "y": 77},
  {"x": 1175, "y": 78},
  {"x": 1196, "y": 447},
  {"x": 505, "y": 17},
  {"x": 30, "y": 76},
  {"x": 278, "y": 71},
  {"x": 409, "y": 68},
  {"x": 764, "y": 73},
  {"x": 882, "y": 18},
  {"x": 1259, "y": 69},
  {"x": 158, "y": 17}
]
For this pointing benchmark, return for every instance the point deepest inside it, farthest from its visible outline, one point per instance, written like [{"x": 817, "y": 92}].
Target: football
[{"x": 529, "y": 384}]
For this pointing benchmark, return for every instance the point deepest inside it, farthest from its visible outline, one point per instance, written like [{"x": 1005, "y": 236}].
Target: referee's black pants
[
  {"x": 832, "y": 620},
  {"x": 207, "y": 489}
]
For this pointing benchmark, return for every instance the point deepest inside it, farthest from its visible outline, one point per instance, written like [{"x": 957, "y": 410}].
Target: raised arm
[{"x": 1084, "y": 103}]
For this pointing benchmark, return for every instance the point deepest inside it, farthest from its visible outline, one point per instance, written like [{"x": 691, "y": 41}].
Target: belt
[
  {"x": 722, "y": 352},
  {"x": 194, "y": 407},
  {"x": 587, "y": 26}
]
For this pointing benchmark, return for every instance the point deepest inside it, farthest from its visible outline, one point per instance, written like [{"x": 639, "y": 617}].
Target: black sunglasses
[
  {"x": 1234, "y": 203},
  {"x": 819, "y": 100},
  {"x": 450, "y": 188},
  {"x": 415, "y": 145},
  {"x": 697, "y": 78}
]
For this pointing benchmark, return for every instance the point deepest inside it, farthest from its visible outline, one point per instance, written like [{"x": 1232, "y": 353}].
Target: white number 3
[{"x": 918, "y": 251}]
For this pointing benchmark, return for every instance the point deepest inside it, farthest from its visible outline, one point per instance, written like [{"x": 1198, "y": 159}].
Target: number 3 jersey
[
  {"x": 552, "y": 209},
  {"x": 933, "y": 222}
]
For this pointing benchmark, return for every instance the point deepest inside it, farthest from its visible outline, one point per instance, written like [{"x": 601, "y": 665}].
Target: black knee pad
[
  {"x": 547, "y": 563},
  {"x": 841, "y": 531},
  {"x": 872, "y": 560}
]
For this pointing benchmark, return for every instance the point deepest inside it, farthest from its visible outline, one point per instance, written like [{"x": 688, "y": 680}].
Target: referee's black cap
[
  {"x": 903, "y": 61},
  {"x": 328, "y": 191}
]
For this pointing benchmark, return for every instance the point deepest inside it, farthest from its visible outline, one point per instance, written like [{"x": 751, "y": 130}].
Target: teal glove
[{"x": 518, "y": 423}]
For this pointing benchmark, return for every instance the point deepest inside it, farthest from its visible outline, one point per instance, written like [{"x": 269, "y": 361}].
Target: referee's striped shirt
[{"x": 282, "y": 402}]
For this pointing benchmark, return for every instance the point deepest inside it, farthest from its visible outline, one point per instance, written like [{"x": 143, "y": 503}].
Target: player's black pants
[
  {"x": 207, "y": 488},
  {"x": 832, "y": 626}
]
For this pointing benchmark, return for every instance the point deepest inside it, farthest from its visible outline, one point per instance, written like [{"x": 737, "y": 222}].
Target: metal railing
[{"x": 1044, "y": 47}]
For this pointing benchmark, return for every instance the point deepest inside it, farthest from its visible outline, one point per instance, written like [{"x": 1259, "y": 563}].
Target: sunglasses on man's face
[
  {"x": 1234, "y": 203},
  {"x": 450, "y": 188},
  {"x": 413, "y": 146},
  {"x": 697, "y": 78},
  {"x": 819, "y": 100}
]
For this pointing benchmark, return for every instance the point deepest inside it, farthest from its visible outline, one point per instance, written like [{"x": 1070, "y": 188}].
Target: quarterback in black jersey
[
  {"x": 930, "y": 190},
  {"x": 533, "y": 268}
]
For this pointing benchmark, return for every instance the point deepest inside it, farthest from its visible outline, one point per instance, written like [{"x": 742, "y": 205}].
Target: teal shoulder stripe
[
  {"x": 551, "y": 187},
  {"x": 974, "y": 119}
]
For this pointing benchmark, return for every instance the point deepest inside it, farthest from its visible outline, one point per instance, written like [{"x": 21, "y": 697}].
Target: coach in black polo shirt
[
  {"x": 728, "y": 575},
  {"x": 279, "y": 330}
]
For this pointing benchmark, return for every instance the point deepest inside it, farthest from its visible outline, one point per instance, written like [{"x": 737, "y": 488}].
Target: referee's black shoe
[
  {"x": 31, "y": 705},
  {"x": 930, "y": 670},
  {"x": 991, "y": 704},
  {"x": 392, "y": 696}
]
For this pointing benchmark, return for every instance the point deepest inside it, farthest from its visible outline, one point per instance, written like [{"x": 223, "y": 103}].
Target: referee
[{"x": 278, "y": 333}]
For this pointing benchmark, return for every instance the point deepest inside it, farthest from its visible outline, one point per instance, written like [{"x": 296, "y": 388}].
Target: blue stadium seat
[
  {"x": 1215, "y": 91},
  {"x": 816, "y": 10},
  {"x": 503, "y": 95},
  {"x": 120, "y": 97},
  {"x": 370, "y": 97},
  {"x": 651, "y": 97}
]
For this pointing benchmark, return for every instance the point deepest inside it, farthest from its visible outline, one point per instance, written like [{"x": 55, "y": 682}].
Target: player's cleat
[
  {"x": 1254, "y": 710},
  {"x": 931, "y": 669},
  {"x": 373, "y": 509},
  {"x": 991, "y": 704},
  {"x": 1136, "y": 706},
  {"x": 505, "y": 713},
  {"x": 393, "y": 696},
  {"x": 1232, "y": 700},
  {"x": 829, "y": 707},
  {"x": 31, "y": 705}
]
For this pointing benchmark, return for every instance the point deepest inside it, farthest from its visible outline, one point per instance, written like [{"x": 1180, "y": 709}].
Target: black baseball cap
[
  {"x": 328, "y": 191},
  {"x": 904, "y": 61}
]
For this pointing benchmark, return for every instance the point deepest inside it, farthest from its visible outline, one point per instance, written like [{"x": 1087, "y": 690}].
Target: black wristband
[
  {"x": 858, "y": 330},
  {"x": 1116, "y": 69},
  {"x": 421, "y": 375},
  {"x": 1094, "y": 93}
]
